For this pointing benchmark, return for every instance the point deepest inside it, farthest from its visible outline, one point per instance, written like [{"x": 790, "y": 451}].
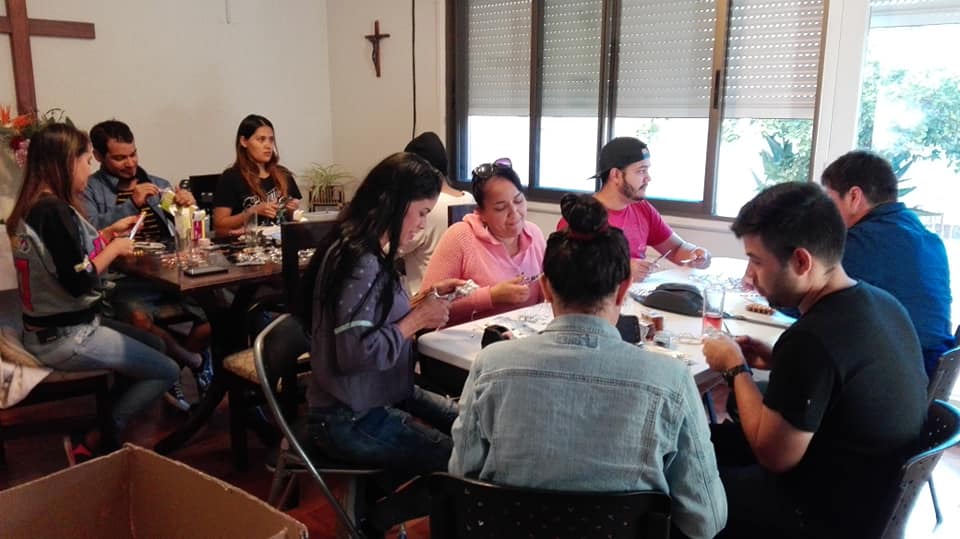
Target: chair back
[
  {"x": 294, "y": 238},
  {"x": 462, "y": 508},
  {"x": 275, "y": 353},
  {"x": 944, "y": 378},
  {"x": 941, "y": 431},
  {"x": 457, "y": 212},
  {"x": 203, "y": 187}
]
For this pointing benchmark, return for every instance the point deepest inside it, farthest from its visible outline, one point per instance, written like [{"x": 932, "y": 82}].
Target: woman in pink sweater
[{"x": 496, "y": 247}]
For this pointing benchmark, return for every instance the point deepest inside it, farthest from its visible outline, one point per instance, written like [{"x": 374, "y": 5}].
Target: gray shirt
[{"x": 358, "y": 370}]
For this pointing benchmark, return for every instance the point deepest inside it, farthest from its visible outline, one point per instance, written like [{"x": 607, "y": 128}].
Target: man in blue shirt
[{"x": 889, "y": 248}]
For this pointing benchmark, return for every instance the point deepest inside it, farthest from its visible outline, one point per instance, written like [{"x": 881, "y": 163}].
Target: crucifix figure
[
  {"x": 374, "y": 39},
  {"x": 20, "y": 29}
]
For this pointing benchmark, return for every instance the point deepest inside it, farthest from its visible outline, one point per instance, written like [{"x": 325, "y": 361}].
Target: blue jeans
[
  {"x": 93, "y": 347},
  {"x": 389, "y": 436}
]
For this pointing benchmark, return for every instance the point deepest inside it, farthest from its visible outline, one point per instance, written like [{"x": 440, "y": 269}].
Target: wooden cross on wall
[
  {"x": 21, "y": 28},
  {"x": 374, "y": 39}
]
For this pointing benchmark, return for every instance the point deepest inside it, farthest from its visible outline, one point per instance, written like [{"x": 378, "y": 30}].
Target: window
[
  {"x": 910, "y": 111},
  {"x": 723, "y": 92}
]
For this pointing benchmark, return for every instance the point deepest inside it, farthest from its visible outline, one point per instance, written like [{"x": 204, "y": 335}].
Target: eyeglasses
[{"x": 488, "y": 170}]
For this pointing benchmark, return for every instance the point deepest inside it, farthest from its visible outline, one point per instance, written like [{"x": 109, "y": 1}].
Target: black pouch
[
  {"x": 680, "y": 298},
  {"x": 629, "y": 327},
  {"x": 492, "y": 334}
]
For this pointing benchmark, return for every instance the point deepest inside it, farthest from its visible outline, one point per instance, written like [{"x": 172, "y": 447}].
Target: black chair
[
  {"x": 203, "y": 187},
  {"x": 944, "y": 378},
  {"x": 466, "y": 508},
  {"x": 457, "y": 212},
  {"x": 276, "y": 352},
  {"x": 941, "y": 432},
  {"x": 294, "y": 239},
  {"x": 243, "y": 383}
]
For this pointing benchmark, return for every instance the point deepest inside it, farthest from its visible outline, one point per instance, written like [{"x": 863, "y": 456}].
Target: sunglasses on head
[{"x": 488, "y": 170}]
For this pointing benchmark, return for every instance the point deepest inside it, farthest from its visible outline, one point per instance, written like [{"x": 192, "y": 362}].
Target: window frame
[{"x": 457, "y": 110}]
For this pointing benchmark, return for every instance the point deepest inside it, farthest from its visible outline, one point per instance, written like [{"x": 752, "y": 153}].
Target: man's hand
[
  {"x": 722, "y": 352},
  {"x": 640, "y": 269},
  {"x": 757, "y": 353},
  {"x": 183, "y": 197},
  {"x": 143, "y": 191},
  {"x": 700, "y": 258}
]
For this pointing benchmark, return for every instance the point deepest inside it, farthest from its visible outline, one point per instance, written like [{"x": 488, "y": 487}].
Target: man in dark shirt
[
  {"x": 816, "y": 456},
  {"x": 888, "y": 247}
]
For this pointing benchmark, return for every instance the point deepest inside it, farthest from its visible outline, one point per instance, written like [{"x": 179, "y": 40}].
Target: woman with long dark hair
[
  {"x": 362, "y": 396},
  {"x": 256, "y": 183},
  {"x": 59, "y": 257}
]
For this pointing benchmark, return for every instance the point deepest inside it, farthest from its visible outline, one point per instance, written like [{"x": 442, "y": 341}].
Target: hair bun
[{"x": 585, "y": 214}]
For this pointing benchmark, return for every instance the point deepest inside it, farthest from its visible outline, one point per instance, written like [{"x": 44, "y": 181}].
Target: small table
[
  {"x": 452, "y": 350},
  {"x": 224, "y": 322}
]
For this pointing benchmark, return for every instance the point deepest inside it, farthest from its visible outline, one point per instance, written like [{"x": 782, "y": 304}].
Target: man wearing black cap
[
  {"x": 416, "y": 254},
  {"x": 624, "y": 169}
]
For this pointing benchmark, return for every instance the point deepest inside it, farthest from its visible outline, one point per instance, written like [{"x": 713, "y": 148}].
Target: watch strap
[{"x": 730, "y": 374}]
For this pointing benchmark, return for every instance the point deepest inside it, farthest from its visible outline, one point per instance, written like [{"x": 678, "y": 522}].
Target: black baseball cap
[{"x": 619, "y": 153}]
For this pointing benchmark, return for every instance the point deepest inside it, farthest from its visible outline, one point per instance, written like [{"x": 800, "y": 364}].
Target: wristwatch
[{"x": 730, "y": 374}]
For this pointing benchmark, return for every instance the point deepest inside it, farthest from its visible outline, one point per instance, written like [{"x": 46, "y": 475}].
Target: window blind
[
  {"x": 571, "y": 57},
  {"x": 665, "y": 58},
  {"x": 498, "y": 57},
  {"x": 773, "y": 58}
]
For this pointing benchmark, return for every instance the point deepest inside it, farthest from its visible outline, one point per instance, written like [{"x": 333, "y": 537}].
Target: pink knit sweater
[{"x": 467, "y": 250}]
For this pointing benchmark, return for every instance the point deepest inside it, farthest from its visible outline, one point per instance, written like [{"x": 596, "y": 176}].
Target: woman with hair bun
[{"x": 533, "y": 402}]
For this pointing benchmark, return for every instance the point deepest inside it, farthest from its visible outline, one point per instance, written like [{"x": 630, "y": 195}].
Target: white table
[{"x": 457, "y": 346}]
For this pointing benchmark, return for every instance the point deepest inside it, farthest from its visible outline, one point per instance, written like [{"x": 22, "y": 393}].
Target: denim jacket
[
  {"x": 101, "y": 199},
  {"x": 576, "y": 408}
]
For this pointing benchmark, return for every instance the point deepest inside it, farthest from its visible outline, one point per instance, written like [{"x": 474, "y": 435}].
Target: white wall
[
  {"x": 183, "y": 76},
  {"x": 373, "y": 117}
]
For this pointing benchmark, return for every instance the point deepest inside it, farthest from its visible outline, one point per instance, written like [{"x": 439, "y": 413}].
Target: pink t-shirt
[{"x": 640, "y": 222}]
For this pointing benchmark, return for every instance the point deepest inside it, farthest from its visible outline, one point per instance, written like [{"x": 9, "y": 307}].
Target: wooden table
[{"x": 224, "y": 321}]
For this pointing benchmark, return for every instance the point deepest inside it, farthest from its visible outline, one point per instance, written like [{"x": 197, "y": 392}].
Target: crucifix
[
  {"x": 21, "y": 28},
  {"x": 374, "y": 39}
]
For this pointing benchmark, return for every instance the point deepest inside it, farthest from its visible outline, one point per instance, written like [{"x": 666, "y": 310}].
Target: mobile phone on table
[
  {"x": 139, "y": 223},
  {"x": 204, "y": 270}
]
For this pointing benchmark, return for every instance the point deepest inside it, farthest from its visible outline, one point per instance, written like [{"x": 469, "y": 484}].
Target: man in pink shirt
[{"x": 624, "y": 169}]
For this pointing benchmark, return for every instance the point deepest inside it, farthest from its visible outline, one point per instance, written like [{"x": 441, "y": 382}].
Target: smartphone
[
  {"x": 204, "y": 270},
  {"x": 629, "y": 327},
  {"x": 139, "y": 223}
]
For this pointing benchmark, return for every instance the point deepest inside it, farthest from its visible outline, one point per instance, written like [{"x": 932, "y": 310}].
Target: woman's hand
[
  {"x": 292, "y": 204},
  {"x": 430, "y": 312},
  {"x": 447, "y": 286},
  {"x": 122, "y": 246},
  {"x": 121, "y": 226},
  {"x": 266, "y": 209},
  {"x": 510, "y": 292}
]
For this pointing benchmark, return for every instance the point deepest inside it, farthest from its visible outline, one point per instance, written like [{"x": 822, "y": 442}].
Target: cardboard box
[{"x": 135, "y": 493}]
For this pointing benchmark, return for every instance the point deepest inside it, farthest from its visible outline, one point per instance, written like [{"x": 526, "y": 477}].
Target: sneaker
[
  {"x": 76, "y": 449},
  {"x": 204, "y": 373},
  {"x": 175, "y": 397}
]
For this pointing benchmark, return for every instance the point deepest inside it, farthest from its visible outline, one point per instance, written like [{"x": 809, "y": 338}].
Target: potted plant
[{"x": 326, "y": 185}]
